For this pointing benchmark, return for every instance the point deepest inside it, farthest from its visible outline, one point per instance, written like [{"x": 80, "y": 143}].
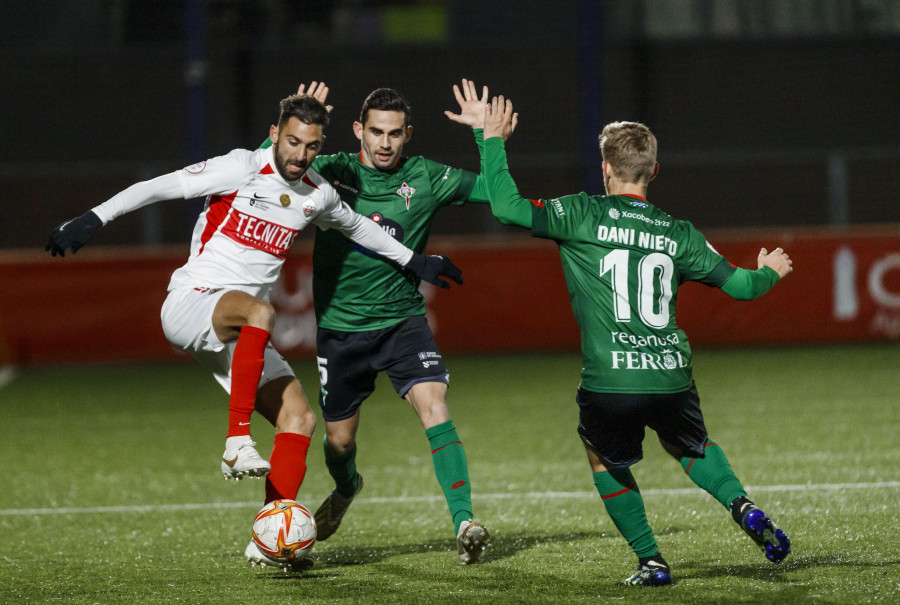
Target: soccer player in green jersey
[
  {"x": 623, "y": 261},
  {"x": 371, "y": 316}
]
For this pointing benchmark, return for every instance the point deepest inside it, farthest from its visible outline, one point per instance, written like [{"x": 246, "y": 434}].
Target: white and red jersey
[{"x": 251, "y": 218}]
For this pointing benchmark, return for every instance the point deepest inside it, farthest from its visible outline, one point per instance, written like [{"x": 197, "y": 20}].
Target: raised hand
[
  {"x": 777, "y": 260},
  {"x": 471, "y": 107},
  {"x": 318, "y": 91},
  {"x": 499, "y": 118}
]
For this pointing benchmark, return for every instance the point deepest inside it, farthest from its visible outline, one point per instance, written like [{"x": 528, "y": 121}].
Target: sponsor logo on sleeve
[
  {"x": 340, "y": 185},
  {"x": 558, "y": 207}
]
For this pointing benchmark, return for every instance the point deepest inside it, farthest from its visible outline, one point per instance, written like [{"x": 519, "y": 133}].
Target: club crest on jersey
[
  {"x": 285, "y": 200},
  {"x": 195, "y": 168},
  {"x": 309, "y": 207},
  {"x": 406, "y": 192}
]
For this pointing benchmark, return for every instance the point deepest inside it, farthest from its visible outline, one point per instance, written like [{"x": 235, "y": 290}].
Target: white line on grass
[{"x": 155, "y": 508}]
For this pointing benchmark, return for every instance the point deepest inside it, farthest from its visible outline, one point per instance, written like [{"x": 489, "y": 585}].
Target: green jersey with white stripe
[{"x": 355, "y": 291}]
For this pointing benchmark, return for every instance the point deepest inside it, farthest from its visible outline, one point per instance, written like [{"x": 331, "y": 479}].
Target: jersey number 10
[{"x": 655, "y": 273}]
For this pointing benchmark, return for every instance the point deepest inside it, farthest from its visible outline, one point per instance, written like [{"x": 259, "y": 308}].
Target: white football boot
[
  {"x": 242, "y": 460},
  {"x": 258, "y": 558},
  {"x": 471, "y": 540}
]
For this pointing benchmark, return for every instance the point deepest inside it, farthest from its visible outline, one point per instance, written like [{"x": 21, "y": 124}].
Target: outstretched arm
[
  {"x": 748, "y": 285},
  {"x": 507, "y": 205},
  {"x": 75, "y": 233}
]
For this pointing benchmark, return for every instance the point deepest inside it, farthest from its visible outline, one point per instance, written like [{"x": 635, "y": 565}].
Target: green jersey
[
  {"x": 623, "y": 261},
  {"x": 353, "y": 291}
]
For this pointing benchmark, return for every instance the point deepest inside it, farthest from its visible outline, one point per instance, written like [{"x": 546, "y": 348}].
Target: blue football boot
[
  {"x": 653, "y": 571},
  {"x": 757, "y": 524}
]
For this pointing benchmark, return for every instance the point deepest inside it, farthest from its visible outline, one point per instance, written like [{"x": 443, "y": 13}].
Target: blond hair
[{"x": 630, "y": 148}]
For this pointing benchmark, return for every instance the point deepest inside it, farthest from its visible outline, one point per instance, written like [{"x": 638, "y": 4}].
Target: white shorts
[{"x": 187, "y": 323}]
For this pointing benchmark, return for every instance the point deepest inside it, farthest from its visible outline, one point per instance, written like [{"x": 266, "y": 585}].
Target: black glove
[
  {"x": 73, "y": 234},
  {"x": 432, "y": 268}
]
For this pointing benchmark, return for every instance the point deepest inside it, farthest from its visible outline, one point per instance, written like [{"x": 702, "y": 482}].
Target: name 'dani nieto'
[{"x": 634, "y": 237}]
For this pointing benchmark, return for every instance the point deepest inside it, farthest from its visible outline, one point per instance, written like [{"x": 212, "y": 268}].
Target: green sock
[
  {"x": 625, "y": 506},
  {"x": 714, "y": 474},
  {"x": 342, "y": 468},
  {"x": 451, "y": 470}
]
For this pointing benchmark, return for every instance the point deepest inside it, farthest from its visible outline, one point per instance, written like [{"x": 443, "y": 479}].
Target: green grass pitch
[{"x": 111, "y": 491}]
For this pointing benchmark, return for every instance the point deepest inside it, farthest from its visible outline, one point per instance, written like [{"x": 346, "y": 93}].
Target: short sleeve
[
  {"x": 698, "y": 260},
  {"x": 449, "y": 185},
  {"x": 560, "y": 218}
]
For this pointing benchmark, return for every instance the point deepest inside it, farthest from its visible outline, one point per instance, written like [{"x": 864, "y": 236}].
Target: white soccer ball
[{"x": 284, "y": 530}]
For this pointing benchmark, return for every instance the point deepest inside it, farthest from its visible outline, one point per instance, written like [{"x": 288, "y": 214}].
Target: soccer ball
[{"x": 284, "y": 530}]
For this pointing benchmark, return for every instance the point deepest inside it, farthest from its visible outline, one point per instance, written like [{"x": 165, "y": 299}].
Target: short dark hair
[
  {"x": 304, "y": 108},
  {"x": 386, "y": 99}
]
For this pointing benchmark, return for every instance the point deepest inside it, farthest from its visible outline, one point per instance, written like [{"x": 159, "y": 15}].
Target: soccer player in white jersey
[{"x": 217, "y": 308}]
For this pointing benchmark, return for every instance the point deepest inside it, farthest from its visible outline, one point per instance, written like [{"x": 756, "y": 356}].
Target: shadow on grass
[
  {"x": 767, "y": 570},
  {"x": 502, "y": 546}
]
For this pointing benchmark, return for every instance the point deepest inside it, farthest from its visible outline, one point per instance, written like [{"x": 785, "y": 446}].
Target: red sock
[
  {"x": 246, "y": 370},
  {"x": 288, "y": 461}
]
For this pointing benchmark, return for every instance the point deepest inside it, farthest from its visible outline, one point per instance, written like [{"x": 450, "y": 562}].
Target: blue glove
[
  {"x": 432, "y": 268},
  {"x": 73, "y": 234}
]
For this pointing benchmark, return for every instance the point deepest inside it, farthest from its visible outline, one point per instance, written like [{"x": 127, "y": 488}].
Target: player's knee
[
  {"x": 339, "y": 443},
  {"x": 431, "y": 411},
  {"x": 300, "y": 420},
  {"x": 261, "y": 315}
]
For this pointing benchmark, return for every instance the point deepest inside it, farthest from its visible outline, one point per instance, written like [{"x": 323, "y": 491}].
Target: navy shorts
[
  {"x": 612, "y": 424},
  {"x": 349, "y": 362}
]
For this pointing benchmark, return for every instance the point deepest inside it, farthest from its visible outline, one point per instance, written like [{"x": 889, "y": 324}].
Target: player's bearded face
[
  {"x": 296, "y": 146},
  {"x": 382, "y": 137}
]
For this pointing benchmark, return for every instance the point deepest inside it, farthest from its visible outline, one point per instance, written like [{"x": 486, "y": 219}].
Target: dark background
[{"x": 768, "y": 113}]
